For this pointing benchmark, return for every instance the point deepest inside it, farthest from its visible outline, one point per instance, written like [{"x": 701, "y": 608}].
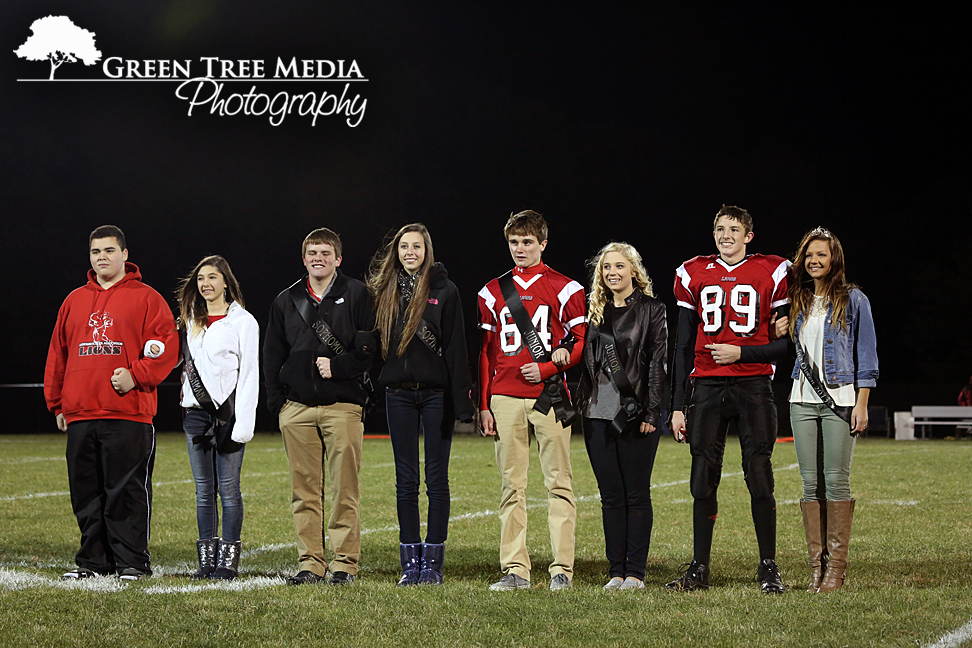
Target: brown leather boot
[
  {"x": 839, "y": 517},
  {"x": 815, "y": 530}
]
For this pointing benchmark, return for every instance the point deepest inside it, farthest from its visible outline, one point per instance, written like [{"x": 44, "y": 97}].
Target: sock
[
  {"x": 764, "y": 519},
  {"x": 704, "y": 514}
]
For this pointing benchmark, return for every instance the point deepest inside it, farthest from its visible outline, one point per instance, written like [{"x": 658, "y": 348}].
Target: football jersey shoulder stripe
[
  {"x": 490, "y": 300},
  {"x": 564, "y": 296}
]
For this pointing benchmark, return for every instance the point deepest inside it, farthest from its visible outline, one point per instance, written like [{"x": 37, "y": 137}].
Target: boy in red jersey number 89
[
  {"x": 723, "y": 370},
  {"x": 511, "y": 382}
]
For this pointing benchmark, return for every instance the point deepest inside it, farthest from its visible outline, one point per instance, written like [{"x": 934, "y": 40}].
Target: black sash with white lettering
[
  {"x": 553, "y": 394},
  {"x": 842, "y": 411},
  {"x": 298, "y": 293},
  {"x": 220, "y": 432},
  {"x": 424, "y": 333},
  {"x": 331, "y": 342},
  {"x": 631, "y": 409}
]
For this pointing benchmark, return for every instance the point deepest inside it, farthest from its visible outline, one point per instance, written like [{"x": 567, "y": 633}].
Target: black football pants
[{"x": 748, "y": 403}]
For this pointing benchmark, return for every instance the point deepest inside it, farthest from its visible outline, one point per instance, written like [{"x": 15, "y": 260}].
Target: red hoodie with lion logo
[{"x": 128, "y": 325}]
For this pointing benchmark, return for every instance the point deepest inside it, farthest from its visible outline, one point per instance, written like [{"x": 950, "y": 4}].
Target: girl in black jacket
[
  {"x": 620, "y": 397},
  {"x": 427, "y": 386}
]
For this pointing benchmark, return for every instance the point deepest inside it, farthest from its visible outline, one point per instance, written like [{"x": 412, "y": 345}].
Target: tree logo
[{"x": 57, "y": 39}]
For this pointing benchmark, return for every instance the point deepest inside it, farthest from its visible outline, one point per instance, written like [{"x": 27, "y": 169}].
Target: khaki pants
[
  {"x": 311, "y": 436},
  {"x": 514, "y": 417}
]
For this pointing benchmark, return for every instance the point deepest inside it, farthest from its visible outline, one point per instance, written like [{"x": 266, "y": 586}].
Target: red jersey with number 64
[
  {"x": 735, "y": 303},
  {"x": 556, "y": 306}
]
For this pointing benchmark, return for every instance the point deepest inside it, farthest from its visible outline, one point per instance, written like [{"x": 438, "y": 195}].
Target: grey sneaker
[
  {"x": 614, "y": 583},
  {"x": 510, "y": 582},
  {"x": 560, "y": 582},
  {"x": 632, "y": 583}
]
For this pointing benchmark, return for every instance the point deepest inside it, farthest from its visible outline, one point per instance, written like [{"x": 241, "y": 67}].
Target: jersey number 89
[
  {"x": 510, "y": 339},
  {"x": 743, "y": 304}
]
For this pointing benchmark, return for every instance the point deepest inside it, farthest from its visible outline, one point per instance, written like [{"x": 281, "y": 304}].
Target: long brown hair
[
  {"x": 192, "y": 306},
  {"x": 383, "y": 284},
  {"x": 600, "y": 293},
  {"x": 801, "y": 285}
]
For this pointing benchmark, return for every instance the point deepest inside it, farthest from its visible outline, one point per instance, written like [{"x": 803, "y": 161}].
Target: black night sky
[{"x": 614, "y": 122}]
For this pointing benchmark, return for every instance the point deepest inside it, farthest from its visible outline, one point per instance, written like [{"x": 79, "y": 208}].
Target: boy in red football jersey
[
  {"x": 723, "y": 359},
  {"x": 114, "y": 342},
  {"x": 518, "y": 391}
]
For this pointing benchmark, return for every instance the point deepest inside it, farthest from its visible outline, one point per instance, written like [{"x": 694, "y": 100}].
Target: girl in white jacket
[{"x": 220, "y": 384}]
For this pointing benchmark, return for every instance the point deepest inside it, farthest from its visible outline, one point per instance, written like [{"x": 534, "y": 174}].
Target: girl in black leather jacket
[{"x": 620, "y": 396}]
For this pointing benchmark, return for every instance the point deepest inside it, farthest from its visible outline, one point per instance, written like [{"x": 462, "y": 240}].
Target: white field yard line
[
  {"x": 24, "y": 460},
  {"x": 955, "y": 638},
  {"x": 28, "y": 496}
]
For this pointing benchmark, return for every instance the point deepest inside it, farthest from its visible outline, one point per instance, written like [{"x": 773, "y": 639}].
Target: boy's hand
[
  {"x": 487, "y": 426},
  {"x": 122, "y": 381},
  {"x": 531, "y": 372},
  {"x": 324, "y": 367},
  {"x": 724, "y": 354},
  {"x": 678, "y": 426},
  {"x": 560, "y": 357}
]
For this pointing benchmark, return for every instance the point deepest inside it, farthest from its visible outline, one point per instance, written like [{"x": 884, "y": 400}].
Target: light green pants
[{"x": 824, "y": 448}]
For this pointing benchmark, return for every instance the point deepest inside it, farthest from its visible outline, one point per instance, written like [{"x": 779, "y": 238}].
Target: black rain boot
[
  {"x": 228, "y": 561},
  {"x": 433, "y": 555},
  {"x": 206, "y": 552},
  {"x": 411, "y": 555}
]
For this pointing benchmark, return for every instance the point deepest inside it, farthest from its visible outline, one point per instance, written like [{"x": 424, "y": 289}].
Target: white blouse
[{"x": 812, "y": 338}]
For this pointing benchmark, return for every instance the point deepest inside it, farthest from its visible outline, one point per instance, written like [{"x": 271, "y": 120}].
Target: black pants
[
  {"x": 748, "y": 403},
  {"x": 622, "y": 465},
  {"x": 110, "y": 465},
  {"x": 429, "y": 412}
]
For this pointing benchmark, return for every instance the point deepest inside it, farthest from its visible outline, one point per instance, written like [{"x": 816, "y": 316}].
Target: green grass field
[{"x": 908, "y": 583}]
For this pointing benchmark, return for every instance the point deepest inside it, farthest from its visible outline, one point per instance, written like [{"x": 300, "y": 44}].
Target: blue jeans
[
  {"x": 215, "y": 474},
  {"x": 411, "y": 412}
]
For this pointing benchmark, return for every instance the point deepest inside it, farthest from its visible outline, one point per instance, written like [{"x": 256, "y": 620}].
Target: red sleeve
[
  {"x": 56, "y": 362},
  {"x": 780, "y": 296},
  {"x": 159, "y": 336},
  {"x": 574, "y": 318},
  {"x": 683, "y": 295},
  {"x": 487, "y": 353}
]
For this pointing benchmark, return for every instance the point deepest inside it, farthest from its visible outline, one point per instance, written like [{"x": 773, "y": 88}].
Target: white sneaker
[
  {"x": 614, "y": 583},
  {"x": 632, "y": 583}
]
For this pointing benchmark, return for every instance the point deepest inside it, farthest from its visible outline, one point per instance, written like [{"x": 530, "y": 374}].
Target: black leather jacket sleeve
[{"x": 655, "y": 348}]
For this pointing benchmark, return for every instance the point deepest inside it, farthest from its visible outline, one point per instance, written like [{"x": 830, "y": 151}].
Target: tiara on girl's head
[{"x": 820, "y": 231}]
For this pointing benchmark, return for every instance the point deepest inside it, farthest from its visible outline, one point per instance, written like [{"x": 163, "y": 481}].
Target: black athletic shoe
[
  {"x": 769, "y": 577},
  {"x": 78, "y": 574},
  {"x": 341, "y": 578},
  {"x": 304, "y": 577},
  {"x": 695, "y": 575}
]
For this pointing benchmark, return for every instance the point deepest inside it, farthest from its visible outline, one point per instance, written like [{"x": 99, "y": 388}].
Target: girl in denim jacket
[{"x": 831, "y": 325}]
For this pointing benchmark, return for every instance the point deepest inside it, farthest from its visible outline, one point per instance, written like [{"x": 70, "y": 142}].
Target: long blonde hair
[
  {"x": 600, "y": 293},
  {"x": 383, "y": 284},
  {"x": 801, "y": 285}
]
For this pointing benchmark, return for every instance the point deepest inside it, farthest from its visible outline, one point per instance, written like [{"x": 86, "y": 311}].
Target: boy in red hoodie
[{"x": 114, "y": 341}]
